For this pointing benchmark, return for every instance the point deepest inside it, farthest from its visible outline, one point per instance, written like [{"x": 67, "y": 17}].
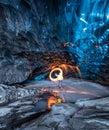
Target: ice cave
[{"x": 54, "y": 64}]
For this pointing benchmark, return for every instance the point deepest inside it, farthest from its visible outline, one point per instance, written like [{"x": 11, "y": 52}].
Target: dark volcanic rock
[
  {"x": 18, "y": 109},
  {"x": 10, "y": 94},
  {"x": 91, "y": 119},
  {"x": 58, "y": 119},
  {"x": 14, "y": 70},
  {"x": 15, "y": 106},
  {"x": 93, "y": 115},
  {"x": 70, "y": 117}
]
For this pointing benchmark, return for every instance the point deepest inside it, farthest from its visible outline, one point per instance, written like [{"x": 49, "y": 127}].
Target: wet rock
[
  {"x": 11, "y": 93},
  {"x": 13, "y": 114},
  {"x": 94, "y": 114},
  {"x": 5, "y": 116},
  {"x": 90, "y": 119},
  {"x": 15, "y": 105},
  {"x": 73, "y": 90},
  {"x": 100, "y": 102},
  {"x": 78, "y": 112},
  {"x": 69, "y": 116},
  {"x": 56, "y": 119}
]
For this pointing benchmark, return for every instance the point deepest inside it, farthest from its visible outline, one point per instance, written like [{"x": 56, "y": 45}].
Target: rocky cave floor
[{"x": 86, "y": 107}]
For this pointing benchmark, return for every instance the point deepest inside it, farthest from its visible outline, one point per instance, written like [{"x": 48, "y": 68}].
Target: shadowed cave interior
[{"x": 37, "y": 36}]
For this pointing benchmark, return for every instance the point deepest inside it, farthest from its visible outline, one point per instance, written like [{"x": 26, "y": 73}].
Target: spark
[{"x": 66, "y": 68}]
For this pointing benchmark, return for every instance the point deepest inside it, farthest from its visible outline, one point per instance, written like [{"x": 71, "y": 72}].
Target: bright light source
[
  {"x": 83, "y": 20},
  {"x": 84, "y": 29},
  {"x": 82, "y": 14},
  {"x": 59, "y": 76},
  {"x": 107, "y": 16}
]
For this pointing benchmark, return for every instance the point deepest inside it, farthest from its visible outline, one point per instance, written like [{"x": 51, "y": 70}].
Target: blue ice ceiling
[{"x": 87, "y": 24}]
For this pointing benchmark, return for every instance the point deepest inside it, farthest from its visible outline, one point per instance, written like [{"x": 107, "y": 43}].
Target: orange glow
[
  {"x": 58, "y": 76},
  {"x": 51, "y": 101},
  {"x": 63, "y": 69},
  {"x": 61, "y": 93},
  {"x": 56, "y": 92}
]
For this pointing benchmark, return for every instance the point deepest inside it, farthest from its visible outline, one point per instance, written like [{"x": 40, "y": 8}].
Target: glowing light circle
[{"x": 58, "y": 77}]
